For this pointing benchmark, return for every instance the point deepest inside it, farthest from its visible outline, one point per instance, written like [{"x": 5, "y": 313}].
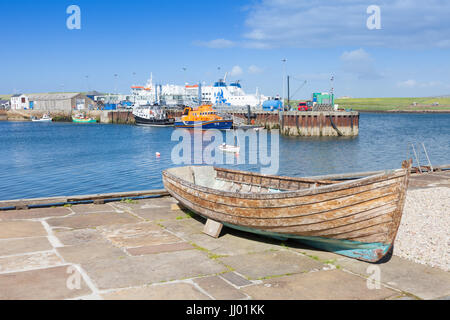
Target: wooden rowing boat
[{"x": 357, "y": 218}]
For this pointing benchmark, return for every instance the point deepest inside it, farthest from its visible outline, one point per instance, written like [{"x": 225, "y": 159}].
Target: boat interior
[{"x": 243, "y": 182}]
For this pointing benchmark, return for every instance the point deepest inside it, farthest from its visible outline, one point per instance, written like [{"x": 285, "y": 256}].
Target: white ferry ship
[{"x": 220, "y": 93}]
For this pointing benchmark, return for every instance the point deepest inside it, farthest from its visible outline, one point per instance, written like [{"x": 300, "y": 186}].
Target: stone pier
[{"x": 309, "y": 124}]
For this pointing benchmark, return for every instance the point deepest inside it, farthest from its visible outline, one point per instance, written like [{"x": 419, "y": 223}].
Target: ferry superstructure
[{"x": 220, "y": 93}]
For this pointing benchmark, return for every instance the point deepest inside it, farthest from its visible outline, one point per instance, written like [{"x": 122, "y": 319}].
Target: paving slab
[
  {"x": 29, "y": 261},
  {"x": 176, "y": 291},
  {"x": 92, "y": 220},
  {"x": 233, "y": 244},
  {"x": 441, "y": 179},
  {"x": 138, "y": 235},
  {"x": 43, "y": 284},
  {"x": 219, "y": 289},
  {"x": 323, "y": 285},
  {"x": 25, "y": 245},
  {"x": 90, "y": 252},
  {"x": 92, "y": 208},
  {"x": 317, "y": 254},
  {"x": 151, "y": 203},
  {"x": 157, "y": 214},
  {"x": 21, "y": 229},
  {"x": 143, "y": 270},
  {"x": 184, "y": 228},
  {"x": 79, "y": 236},
  {"x": 236, "y": 279},
  {"x": 157, "y": 209},
  {"x": 34, "y": 213},
  {"x": 271, "y": 263},
  {"x": 180, "y": 246},
  {"x": 417, "y": 279},
  {"x": 130, "y": 229}
]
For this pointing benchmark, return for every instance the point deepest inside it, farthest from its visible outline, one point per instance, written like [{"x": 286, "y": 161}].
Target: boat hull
[
  {"x": 154, "y": 122},
  {"x": 214, "y": 124},
  {"x": 42, "y": 120},
  {"x": 75, "y": 120},
  {"x": 358, "y": 219}
]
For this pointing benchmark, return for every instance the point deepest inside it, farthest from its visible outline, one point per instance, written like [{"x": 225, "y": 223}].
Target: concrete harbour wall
[{"x": 290, "y": 123}]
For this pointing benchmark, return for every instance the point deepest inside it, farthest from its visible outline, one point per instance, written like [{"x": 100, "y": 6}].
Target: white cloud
[
  {"x": 321, "y": 23},
  {"x": 359, "y": 55},
  {"x": 416, "y": 84},
  {"x": 360, "y": 63},
  {"x": 254, "y": 69},
  {"x": 407, "y": 84},
  {"x": 236, "y": 71},
  {"x": 444, "y": 44},
  {"x": 216, "y": 44}
]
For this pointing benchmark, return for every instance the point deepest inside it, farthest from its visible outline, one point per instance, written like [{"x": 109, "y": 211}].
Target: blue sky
[{"x": 408, "y": 56}]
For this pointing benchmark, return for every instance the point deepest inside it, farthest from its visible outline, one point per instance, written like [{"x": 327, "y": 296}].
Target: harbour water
[{"x": 52, "y": 159}]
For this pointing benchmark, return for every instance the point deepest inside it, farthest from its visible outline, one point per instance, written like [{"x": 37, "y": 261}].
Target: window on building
[{"x": 23, "y": 100}]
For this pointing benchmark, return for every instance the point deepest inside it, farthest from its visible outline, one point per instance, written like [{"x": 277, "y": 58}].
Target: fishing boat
[
  {"x": 45, "y": 118},
  {"x": 357, "y": 218},
  {"x": 152, "y": 116},
  {"x": 80, "y": 118},
  {"x": 204, "y": 117}
]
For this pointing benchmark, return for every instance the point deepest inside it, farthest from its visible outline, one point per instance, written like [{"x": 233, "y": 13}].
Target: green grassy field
[{"x": 397, "y": 104}]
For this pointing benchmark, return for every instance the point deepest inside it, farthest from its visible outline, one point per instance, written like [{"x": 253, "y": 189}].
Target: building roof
[
  {"x": 4, "y": 101},
  {"x": 94, "y": 93},
  {"x": 52, "y": 96},
  {"x": 16, "y": 95}
]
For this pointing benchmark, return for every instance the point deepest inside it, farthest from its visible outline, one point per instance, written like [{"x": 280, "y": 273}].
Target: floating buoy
[{"x": 158, "y": 154}]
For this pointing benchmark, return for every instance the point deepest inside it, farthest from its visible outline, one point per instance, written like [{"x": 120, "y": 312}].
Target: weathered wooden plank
[
  {"x": 68, "y": 199},
  {"x": 341, "y": 224},
  {"x": 235, "y": 175},
  {"x": 212, "y": 228},
  {"x": 31, "y": 202},
  {"x": 299, "y": 209},
  {"x": 300, "y": 217},
  {"x": 233, "y": 200}
]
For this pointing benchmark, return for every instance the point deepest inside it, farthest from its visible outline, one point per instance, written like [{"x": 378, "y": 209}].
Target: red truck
[{"x": 304, "y": 106}]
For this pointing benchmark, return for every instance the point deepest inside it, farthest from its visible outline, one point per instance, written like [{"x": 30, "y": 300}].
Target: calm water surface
[{"x": 42, "y": 160}]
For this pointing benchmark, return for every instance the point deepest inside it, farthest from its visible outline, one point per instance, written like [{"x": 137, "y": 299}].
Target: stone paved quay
[{"x": 151, "y": 249}]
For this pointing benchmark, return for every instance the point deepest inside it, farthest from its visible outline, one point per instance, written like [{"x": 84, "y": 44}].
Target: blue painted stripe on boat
[
  {"x": 218, "y": 124},
  {"x": 373, "y": 251}
]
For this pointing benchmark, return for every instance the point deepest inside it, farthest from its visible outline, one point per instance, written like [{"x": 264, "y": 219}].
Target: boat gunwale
[{"x": 290, "y": 193}]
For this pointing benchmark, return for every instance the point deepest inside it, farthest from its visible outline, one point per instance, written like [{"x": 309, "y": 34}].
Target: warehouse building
[{"x": 60, "y": 102}]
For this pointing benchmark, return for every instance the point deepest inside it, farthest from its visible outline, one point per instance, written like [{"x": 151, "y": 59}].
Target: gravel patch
[{"x": 424, "y": 233}]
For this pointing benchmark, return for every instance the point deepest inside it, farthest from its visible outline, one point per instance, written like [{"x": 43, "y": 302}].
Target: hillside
[{"x": 395, "y": 104}]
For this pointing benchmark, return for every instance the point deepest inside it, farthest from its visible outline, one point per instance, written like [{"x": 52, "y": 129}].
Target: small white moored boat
[{"x": 45, "y": 118}]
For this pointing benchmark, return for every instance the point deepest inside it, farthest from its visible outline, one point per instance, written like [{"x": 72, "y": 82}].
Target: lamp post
[
  {"x": 332, "y": 91},
  {"x": 115, "y": 82},
  {"x": 284, "y": 76},
  {"x": 185, "y": 90}
]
